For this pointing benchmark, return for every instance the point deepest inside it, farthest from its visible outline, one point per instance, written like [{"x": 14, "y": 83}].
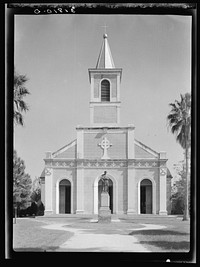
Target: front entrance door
[
  {"x": 65, "y": 196},
  {"x": 110, "y": 192},
  {"x": 146, "y": 197}
]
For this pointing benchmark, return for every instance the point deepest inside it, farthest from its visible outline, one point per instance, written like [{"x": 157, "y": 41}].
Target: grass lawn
[
  {"x": 28, "y": 235},
  {"x": 174, "y": 238}
]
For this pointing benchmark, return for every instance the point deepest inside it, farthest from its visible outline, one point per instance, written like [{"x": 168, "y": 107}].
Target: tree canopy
[
  {"x": 36, "y": 190},
  {"x": 179, "y": 121},
  {"x": 179, "y": 190},
  {"x": 21, "y": 182}
]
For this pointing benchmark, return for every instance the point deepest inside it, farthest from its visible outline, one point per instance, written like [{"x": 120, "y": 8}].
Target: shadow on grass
[
  {"x": 164, "y": 239},
  {"x": 169, "y": 246},
  {"x": 158, "y": 232},
  {"x": 32, "y": 249},
  {"x": 58, "y": 249}
]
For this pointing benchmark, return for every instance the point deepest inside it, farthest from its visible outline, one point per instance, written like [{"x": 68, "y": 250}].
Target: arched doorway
[
  {"x": 146, "y": 196},
  {"x": 110, "y": 192},
  {"x": 64, "y": 196}
]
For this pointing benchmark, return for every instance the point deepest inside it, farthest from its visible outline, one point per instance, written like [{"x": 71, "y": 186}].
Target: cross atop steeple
[{"x": 104, "y": 28}]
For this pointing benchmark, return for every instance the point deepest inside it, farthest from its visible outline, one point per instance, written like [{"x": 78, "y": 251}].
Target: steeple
[
  {"x": 105, "y": 60},
  {"x": 105, "y": 82}
]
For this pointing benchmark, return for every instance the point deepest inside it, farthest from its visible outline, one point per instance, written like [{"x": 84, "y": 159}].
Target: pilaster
[
  {"x": 131, "y": 191},
  {"x": 118, "y": 87},
  {"x": 48, "y": 191},
  {"x": 131, "y": 144},
  {"x": 92, "y": 89},
  {"x": 163, "y": 185},
  {"x": 80, "y": 142},
  {"x": 80, "y": 171},
  {"x": 80, "y": 191}
]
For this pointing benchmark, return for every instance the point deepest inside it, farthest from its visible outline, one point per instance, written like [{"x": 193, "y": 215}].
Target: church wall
[
  {"x": 92, "y": 149},
  {"x": 121, "y": 174},
  {"x": 105, "y": 114},
  {"x": 89, "y": 177},
  {"x": 96, "y": 86}
]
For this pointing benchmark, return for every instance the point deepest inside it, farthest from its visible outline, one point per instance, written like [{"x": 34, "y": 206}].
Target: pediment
[
  {"x": 66, "y": 152},
  {"x": 143, "y": 151}
]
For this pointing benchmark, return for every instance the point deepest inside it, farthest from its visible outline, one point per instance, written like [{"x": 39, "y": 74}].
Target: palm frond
[
  {"x": 18, "y": 119},
  {"x": 22, "y": 106},
  {"x": 181, "y": 139},
  {"x": 19, "y": 80},
  {"x": 179, "y": 119},
  {"x": 20, "y": 91},
  {"x": 173, "y": 118},
  {"x": 175, "y": 129}
]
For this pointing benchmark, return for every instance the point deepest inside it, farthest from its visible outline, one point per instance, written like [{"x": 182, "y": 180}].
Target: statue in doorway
[{"x": 105, "y": 182}]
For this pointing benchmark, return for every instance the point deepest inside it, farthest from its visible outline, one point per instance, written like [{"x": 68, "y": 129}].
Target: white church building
[{"x": 139, "y": 180}]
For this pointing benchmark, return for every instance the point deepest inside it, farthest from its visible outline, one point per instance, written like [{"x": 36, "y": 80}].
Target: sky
[{"x": 55, "y": 53}]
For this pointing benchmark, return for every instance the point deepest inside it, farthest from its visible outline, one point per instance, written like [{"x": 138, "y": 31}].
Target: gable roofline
[
  {"x": 62, "y": 149},
  {"x": 146, "y": 148},
  {"x": 169, "y": 175},
  {"x": 42, "y": 175}
]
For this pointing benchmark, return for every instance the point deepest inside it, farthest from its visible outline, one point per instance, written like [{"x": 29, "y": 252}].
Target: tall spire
[{"x": 105, "y": 60}]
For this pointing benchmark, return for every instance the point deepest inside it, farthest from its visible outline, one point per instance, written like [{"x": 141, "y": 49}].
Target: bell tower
[{"x": 105, "y": 82}]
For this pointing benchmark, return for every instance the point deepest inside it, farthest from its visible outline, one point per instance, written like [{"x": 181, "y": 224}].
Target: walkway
[{"x": 91, "y": 241}]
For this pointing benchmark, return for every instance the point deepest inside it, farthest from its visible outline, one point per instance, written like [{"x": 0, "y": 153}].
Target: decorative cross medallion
[
  {"x": 162, "y": 171},
  {"x": 105, "y": 144},
  {"x": 48, "y": 171}
]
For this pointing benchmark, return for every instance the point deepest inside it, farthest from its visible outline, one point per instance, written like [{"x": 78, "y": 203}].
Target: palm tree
[
  {"x": 20, "y": 91},
  {"x": 179, "y": 120}
]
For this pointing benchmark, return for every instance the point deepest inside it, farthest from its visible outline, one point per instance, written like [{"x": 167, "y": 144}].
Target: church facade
[{"x": 139, "y": 180}]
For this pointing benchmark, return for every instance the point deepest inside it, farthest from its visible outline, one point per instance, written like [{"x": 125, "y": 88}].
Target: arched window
[{"x": 105, "y": 91}]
